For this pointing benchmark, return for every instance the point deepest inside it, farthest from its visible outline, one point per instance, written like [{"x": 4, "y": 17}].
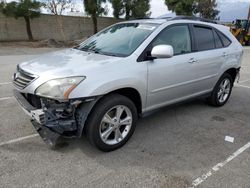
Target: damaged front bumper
[{"x": 53, "y": 119}]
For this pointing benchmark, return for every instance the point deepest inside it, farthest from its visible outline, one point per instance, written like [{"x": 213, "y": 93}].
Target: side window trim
[
  {"x": 218, "y": 33},
  {"x": 191, "y": 30},
  {"x": 214, "y": 32},
  {"x": 141, "y": 58}
]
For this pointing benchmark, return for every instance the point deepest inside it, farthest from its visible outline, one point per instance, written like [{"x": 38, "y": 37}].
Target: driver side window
[{"x": 177, "y": 36}]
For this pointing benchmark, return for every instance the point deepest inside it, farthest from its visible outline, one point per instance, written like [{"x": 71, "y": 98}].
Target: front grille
[{"x": 22, "y": 79}]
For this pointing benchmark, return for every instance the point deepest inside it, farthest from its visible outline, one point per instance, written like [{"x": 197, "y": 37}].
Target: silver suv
[{"x": 102, "y": 86}]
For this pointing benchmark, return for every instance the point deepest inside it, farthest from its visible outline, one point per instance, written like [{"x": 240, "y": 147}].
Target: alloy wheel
[
  {"x": 224, "y": 90},
  {"x": 115, "y": 125}
]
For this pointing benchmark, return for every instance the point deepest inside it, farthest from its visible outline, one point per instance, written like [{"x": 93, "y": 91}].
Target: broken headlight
[{"x": 59, "y": 88}]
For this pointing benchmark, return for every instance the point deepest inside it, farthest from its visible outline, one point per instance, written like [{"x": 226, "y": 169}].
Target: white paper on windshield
[{"x": 146, "y": 27}]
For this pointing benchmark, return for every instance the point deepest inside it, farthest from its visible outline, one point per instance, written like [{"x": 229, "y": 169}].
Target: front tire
[
  {"x": 222, "y": 91},
  {"x": 111, "y": 122}
]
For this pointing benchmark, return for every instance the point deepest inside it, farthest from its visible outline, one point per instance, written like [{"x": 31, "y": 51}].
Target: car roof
[
  {"x": 163, "y": 20},
  {"x": 148, "y": 20},
  {"x": 181, "y": 19}
]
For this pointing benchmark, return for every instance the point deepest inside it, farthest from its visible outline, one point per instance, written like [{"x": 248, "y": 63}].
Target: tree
[
  {"x": 57, "y": 7},
  {"x": 118, "y": 7},
  {"x": 1, "y": 6},
  {"x": 94, "y": 9},
  {"x": 206, "y": 9},
  {"x": 131, "y": 8},
  {"x": 181, "y": 7},
  {"x": 27, "y": 9},
  {"x": 140, "y": 9}
]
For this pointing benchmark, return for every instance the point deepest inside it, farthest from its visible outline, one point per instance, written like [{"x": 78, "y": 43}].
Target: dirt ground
[{"x": 24, "y": 47}]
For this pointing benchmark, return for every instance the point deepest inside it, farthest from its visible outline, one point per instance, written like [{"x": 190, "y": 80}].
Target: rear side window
[
  {"x": 218, "y": 42},
  {"x": 204, "y": 38},
  {"x": 226, "y": 42}
]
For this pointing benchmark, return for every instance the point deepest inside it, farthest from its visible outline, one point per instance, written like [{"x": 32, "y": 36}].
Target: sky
[
  {"x": 158, "y": 7},
  {"x": 229, "y": 9},
  {"x": 232, "y": 9}
]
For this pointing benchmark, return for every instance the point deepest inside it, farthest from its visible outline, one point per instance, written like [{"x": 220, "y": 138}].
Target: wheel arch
[
  {"x": 233, "y": 72},
  {"x": 87, "y": 108},
  {"x": 132, "y": 94}
]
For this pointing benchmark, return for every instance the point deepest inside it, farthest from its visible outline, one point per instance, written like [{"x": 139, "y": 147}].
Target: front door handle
[{"x": 192, "y": 61}]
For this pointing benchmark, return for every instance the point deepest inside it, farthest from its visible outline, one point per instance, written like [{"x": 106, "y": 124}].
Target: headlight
[{"x": 58, "y": 88}]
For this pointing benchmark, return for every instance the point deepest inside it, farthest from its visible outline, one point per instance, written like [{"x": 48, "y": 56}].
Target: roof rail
[{"x": 191, "y": 18}]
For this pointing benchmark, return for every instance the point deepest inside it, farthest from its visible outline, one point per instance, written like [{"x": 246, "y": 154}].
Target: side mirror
[{"x": 162, "y": 51}]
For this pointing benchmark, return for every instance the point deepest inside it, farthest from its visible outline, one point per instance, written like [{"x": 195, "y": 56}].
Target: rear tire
[
  {"x": 222, "y": 91},
  {"x": 111, "y": 123}
]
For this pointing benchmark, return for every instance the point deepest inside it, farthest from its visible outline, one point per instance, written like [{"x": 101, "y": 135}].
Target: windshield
[{"x": 119, "y": 40}]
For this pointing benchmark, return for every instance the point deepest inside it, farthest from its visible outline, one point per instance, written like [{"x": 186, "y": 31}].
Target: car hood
[{"x": 69, "y": 62}]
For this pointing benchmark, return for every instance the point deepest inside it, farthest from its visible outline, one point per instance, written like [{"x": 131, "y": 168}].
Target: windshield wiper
[
  {"x": 90, "y": 50},
  {"x": 99, "y": 52},
  {"x": 110, "y": 54}
]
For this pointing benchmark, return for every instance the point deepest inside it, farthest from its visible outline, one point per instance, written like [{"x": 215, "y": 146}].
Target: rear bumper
[{"x": 237, "y": 78}]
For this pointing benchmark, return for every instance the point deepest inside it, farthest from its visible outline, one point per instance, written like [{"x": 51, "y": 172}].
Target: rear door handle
[
  {"x": 224, "y": 54},
  {"x": 192, "y": 61}
]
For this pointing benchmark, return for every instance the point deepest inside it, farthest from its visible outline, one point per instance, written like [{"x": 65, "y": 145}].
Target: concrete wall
[{"x": 50, "y": 27}]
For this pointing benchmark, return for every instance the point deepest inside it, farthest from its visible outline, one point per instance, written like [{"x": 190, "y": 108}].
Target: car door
[
  {"x": 172, "y": 79},
  {"x": 209, "y": 57}
]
